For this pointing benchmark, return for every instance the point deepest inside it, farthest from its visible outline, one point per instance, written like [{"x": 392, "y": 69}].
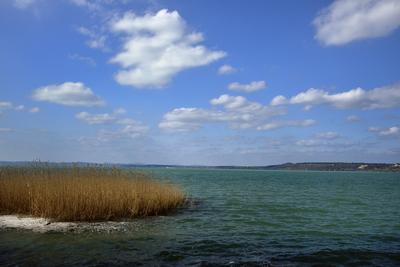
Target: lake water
[{"x": 240, "y": 217}]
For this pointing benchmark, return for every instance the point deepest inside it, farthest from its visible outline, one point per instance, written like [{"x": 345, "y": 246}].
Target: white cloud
[
  {"x": 134, "y": 129},
  {"x": 352, "y": 118},
  {"x": 230, "y": 102},
  {"x": 345, "y": 21},
  {"x": 95, "y": 5},
  {"x": 5, "y": 105},
  {"x": 120, "y": 111},
  {"x": 189, "y": 119},
  {"x": 68, "y": 94},
  {"x": 34, "y": 110},
  {"x": 23, "y": 4},
  {"x": 131, "y": 129},
  {"x": 5, "y": 130},
  {"x": 156, "y": 48},
  {"x": 281, "y": 124},
  {"x": 308, "y": 142},
  {"x": 79, "y": 2},
  {"x": 307, "y": 108},
  {"x": 95, "y": 118},
  {"x": 96, "y": 38},
  {"x": 92, "y": 5},
  {"x": 327, "y": 135},
  {"x": 388, "y": 132},
  {"x": 382, "y": 97},
  {"x": 278, "y": 100},
  {"x": 251, "y": 87},
  {"x": 238, "y": 113},
  {"x": 19, "y": 108},
  {"x": 11, "y": 106},
  {"x": 249, "y": 110},
  {"x": 88, "y": 60},
  {"x": 323, "y": 139},
  {"x": 127, "y": 127},
  {"x": 316, "y": 96},
  {"x": 226, "y": 69}
]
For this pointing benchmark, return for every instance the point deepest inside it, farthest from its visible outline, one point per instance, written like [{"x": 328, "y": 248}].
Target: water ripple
[{"x": 238, "y": 218}]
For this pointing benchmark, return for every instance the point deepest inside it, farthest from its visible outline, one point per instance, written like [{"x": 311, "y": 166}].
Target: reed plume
[{"x": 84, "y": 193}]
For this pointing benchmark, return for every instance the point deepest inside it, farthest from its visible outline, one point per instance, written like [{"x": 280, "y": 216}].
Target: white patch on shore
[
  {"x": 42, "y": 225},
  {"x": 31, "y": 223}
]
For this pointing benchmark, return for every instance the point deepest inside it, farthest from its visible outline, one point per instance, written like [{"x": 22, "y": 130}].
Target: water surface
[{"x": 240, "y": 217}]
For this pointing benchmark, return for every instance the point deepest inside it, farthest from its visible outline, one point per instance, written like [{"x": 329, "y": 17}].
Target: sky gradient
[{"x": 200, "y": 82}]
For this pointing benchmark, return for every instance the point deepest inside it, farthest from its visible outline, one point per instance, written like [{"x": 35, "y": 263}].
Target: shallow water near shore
[{"x": 237, "y": 217}]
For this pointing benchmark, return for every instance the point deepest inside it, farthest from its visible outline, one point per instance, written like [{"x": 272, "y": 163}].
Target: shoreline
[
  {"x": 289, "y": 166},
  {"x": 42, "y": 225}
]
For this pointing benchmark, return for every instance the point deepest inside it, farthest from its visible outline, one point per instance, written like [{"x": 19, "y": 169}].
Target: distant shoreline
[
  {"x": 325, "y": 166},
  {"x": 302, "y": 166}
]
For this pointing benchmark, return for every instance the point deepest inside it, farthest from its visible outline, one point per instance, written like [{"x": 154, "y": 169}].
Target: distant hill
[
  {"x": 311, "y": 166},
  {"x": 328, "y": 166}
]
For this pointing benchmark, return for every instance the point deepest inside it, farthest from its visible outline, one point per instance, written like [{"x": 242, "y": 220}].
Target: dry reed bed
[{"x": 84, "y": 193}]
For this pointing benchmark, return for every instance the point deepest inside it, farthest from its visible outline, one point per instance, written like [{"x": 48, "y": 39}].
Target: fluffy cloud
[
  {"x": 323, "y": 144},
  {"x": 308, "y": 142},
  {"x": 232, "y": 102},
  {"x": 326, "y": 141},
  {"x": 11, "y": 106},
  {"x": 345, "y": 21},
  {"x": 34, "y": 110},
  {"x": 87, "y": 3},
  {"x": 96, "y": 39},
  {"x": 120, "y": 111},
  {"x": 19, "y": 108},
  {"x": 95, "y": 5},
  {"x": 382, "y": 97},
  {"x": 281, "y": 124},
  {"x": 5, "y": 105},
  {"x": 105, "y": 118},
  {"x": 352, "y": 118},
  {"x": 388, "y": 132},
  {"x": 156, "y": 48},
  {"x": 249, "y": 110},
  {"x": 189, "y": 119},
  {"x": 95, "y": 118},
  {"x": 68, "y": 94},
  {"x": 88, "y": 60},
  {"x": 278, "y": 100},
  {"x": 226, "y": 69},
  {"x": 327, "y": 135},
  {"x": 132, "y": 130},
  {"x": 126, "y": 127},
  {"x": 251, "y": 87},
  {"x": 238, "y": 113}
]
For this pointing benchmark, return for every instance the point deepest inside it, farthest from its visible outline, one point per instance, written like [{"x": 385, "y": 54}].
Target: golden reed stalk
[{"x": 84, "y": 193}]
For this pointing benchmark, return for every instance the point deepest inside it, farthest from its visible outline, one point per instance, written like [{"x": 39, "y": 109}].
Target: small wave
[{"x": 344, "y": 257}]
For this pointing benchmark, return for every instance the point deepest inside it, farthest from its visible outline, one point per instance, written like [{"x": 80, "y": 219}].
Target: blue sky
[{"x": 200, "y": 82}]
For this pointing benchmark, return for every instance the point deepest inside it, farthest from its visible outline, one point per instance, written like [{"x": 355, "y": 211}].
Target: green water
[{"x": 251, "y": 218}]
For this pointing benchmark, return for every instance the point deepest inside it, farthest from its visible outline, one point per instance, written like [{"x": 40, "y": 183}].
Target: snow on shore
[{"x": 42, "y": 225}]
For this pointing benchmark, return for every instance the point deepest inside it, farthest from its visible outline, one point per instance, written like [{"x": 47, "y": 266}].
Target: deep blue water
[{"x": 240, "y": 217}]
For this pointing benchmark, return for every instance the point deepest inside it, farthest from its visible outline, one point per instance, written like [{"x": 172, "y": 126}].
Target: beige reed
[{"x": 84, "y": 193}]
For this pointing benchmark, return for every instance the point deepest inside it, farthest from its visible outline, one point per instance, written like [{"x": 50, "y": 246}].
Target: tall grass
[{"x": 84, "y": 193}]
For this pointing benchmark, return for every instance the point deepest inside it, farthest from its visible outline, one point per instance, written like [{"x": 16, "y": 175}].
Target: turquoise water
[{"x": 251, "y": 218}]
